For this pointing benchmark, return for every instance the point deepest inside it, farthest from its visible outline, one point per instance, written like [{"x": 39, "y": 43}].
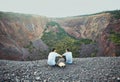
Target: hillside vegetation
[
  {"x": 115, "y": 14},
  {"x": 55, "y": 37},
  {"x": 31, "y": 37}
]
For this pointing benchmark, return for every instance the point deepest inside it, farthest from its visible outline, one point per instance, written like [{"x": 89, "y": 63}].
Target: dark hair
[
  {"x": 53, "y": 49},
  {"x": 67, "y": 49}
]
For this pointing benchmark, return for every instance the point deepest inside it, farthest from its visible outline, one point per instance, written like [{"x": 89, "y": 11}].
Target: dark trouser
[
  {"x": 64, "y": 58},
  {"x": 56, "y": 59}
]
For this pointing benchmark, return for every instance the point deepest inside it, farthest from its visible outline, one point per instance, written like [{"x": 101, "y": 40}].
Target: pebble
[
  {"x": 97, "y": 69},
  {"x": 118, "y": 78},
  {"x": 37, "y": 78}
]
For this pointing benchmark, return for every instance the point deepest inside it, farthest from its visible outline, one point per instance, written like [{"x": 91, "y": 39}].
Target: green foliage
[
  {"x": 115, "y": 37},
  {"x": 65, "y": 43},
  {"x": 14, "y": 16},
  {"x": 52, "y": 23},
  {"x": 2, "y": 15},
  {"x": 61, "y": 40},
  {"x": 85, "y": 41},
  {"x": 115, "y": 13},
  {"x": 93, "y": 55},
  {"x": 51, "y": 38}
]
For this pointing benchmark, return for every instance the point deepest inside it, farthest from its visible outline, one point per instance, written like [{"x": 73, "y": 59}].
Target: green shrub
[
  {"x": 61, "y": 40},
  {"x": 115, "y": 14},
  {"x": 115, "y": 37}
]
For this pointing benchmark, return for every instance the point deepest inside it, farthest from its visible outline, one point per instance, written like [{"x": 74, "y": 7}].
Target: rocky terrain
[
  {"x": 86, "y": 26},
  {"x": 97, "y": 69},
  {"x": 96, "y": 27},
  {"x": 19, "y": 34},
  {"x": 23, "y": 36}
]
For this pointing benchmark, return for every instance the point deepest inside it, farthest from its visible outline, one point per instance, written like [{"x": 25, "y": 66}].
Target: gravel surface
[{"x": 98, "y": 69}]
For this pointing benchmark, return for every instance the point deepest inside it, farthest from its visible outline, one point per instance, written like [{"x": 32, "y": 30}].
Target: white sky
[{"x": 58, "y": 8}]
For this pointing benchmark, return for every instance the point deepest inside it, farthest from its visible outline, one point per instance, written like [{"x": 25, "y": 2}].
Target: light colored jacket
[
  {"x": 68, "y": 56},
  {"x": 51, "y": 58}
]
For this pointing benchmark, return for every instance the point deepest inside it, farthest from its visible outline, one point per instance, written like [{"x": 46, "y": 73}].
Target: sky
[{"x": 58, "y": 8}]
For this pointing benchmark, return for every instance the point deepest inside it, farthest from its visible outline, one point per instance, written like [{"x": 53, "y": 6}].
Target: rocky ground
[{"x": 98, "y": 69}]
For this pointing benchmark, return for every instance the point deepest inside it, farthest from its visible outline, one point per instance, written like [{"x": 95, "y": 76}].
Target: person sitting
[
  {"x": 52, "y": 57},
  {"x": 68, "y": 56}
]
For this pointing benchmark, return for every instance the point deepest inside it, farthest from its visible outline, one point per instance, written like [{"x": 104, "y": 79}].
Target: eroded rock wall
[{"x": 17, "y": 31}]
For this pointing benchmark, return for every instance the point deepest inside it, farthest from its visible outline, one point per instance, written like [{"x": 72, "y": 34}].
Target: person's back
[
  {"x": 52, "y": 57},
  {"x": 68, "y": 56}
]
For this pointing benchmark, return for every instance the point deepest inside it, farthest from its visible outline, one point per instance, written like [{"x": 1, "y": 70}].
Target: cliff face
[
  {"x": 96, "y": 27},
  {"x": 109, "y": 42},
  {"x": 21, "y": 36},
  {"x": 87, "y": 26},
  {"x": 17, "y": 31}
]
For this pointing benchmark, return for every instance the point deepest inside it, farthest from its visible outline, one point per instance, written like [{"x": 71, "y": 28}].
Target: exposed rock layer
[
  {"x": 20, "y": 35},
  {"x": 17, "y": 31}
]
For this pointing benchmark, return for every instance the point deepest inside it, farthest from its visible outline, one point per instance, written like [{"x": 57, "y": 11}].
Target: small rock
[
  {"x": 44, "y": 81},
  {"x": 118, "y": 78},
  {"x": 37, "y": 78},
  {"x": 35, "y": 73}
]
